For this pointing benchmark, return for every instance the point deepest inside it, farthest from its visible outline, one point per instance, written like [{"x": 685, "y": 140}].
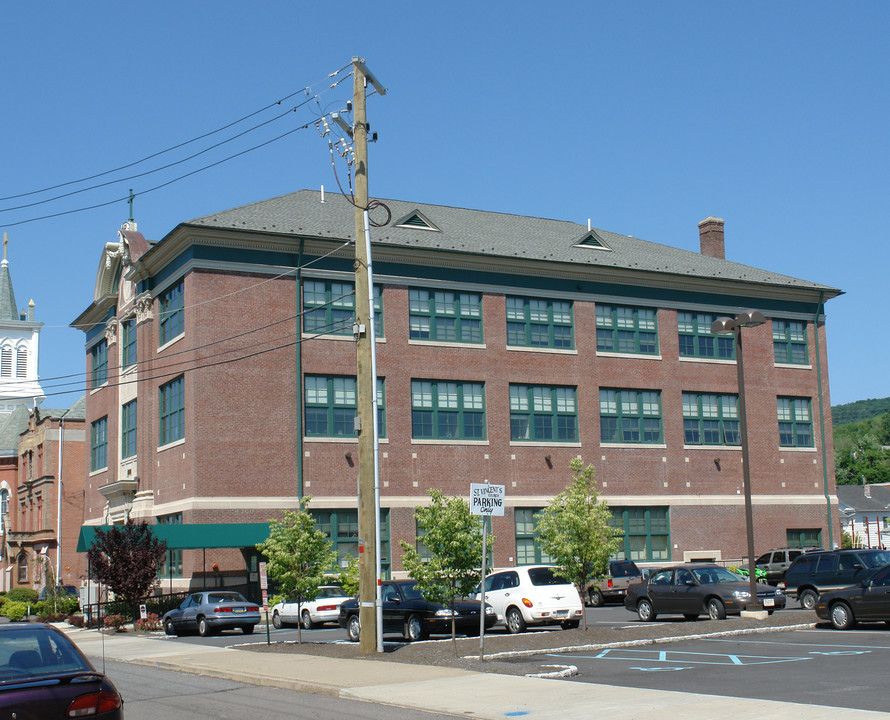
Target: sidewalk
[{"x": 443, "y": 690}]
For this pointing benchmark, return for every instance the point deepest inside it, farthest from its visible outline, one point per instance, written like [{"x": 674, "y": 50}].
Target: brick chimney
[{"x": 710, "y": 235}]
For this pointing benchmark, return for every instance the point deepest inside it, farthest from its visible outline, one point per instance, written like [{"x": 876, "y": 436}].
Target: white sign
[
  {"x": 486, "y": 499},
  {"x": 143, "y": 612},
  {"x": 264, "y": 581}
]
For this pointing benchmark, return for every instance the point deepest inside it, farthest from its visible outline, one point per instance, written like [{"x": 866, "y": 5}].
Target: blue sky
[{"x": 645, "y": 117}]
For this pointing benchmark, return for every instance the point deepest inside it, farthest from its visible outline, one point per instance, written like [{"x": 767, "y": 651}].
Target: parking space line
[
  {"x": 772, "y": 642},
  {"x": 680, "y": 657}
]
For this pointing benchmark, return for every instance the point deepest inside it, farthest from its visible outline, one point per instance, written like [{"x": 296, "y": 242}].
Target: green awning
[{"x": 193, "y": 536}]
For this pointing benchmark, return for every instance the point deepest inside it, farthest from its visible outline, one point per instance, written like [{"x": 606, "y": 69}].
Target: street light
[{"x": 722, "y": 326}]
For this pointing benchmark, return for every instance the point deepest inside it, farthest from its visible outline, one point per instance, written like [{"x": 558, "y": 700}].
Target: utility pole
[{"x": 370, "y": 609}]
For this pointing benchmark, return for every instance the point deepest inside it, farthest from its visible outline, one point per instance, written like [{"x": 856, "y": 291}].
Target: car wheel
[
  {"x": 841, "y": 616},
  {"x": 808, "y": 600},
  {"x": 168, "y": 627},
  {"x": 414, "y": 629},
  {"x": 596, "y": 598},
  {"x": 247, "y": 629},
  {"x": 570, "y": 624},
  {"x": 645, "y": 611},
  {"x": 353, "y": 628},
  {"x": 691, "y": 616},
  {"x": 715, "y": 608},
  {"x": 203, "y": 627},
  {"x": 514, "y": 620},
  {"x": 277, "y": 621},
  {"x": 307, "y": 621}
]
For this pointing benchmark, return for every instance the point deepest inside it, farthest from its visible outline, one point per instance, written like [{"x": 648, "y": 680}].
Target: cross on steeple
[{"x": 5, "y": 243}]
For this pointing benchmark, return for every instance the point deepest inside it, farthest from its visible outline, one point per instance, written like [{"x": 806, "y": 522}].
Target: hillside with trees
[{"x": 861, "y": 439}]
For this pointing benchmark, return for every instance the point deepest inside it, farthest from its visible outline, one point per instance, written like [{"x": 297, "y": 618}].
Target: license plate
[
  {"x": 561, "y": 613},
  {"x": 239, "y": 609},
  {"x": 769, "y": 602}
]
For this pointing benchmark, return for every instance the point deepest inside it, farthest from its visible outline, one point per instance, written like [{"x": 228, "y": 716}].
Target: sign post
[
  {"x": 485, "y": 500},
  {"x": 264, "y": 587}
]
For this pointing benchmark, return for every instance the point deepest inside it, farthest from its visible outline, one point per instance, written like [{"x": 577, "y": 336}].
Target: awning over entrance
[{"x": 193, "y": 536}]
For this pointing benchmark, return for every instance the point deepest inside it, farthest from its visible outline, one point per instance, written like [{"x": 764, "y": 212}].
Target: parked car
[
  {"x": 407, "y": 612},
  {"x": 776, "y": 562},
  {"x": 693, "y": 589},
  {"x": 867, "y": 601},
  {"x": 211, "y": 611},
  {"x": 532, "y": 595},
  {"x": 43, "y": 674},
  {"x": 311, "y": 613},
  {"x": 814, "y": 573},
  {"x": 613, "y": 587},
  {"x": 61, "y": 591}
]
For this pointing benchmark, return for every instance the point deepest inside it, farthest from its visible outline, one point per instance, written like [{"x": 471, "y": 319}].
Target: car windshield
[
  {"x": 876, "y": 559},
  {"x": 329, "y": 592},
  {"x": 545, "y": 576},
  {"x": 624, "y": 569},
  {"x": 36, "y": 652},
  {"x": 411, "y": 592},
  {"x": 225, "y": 597},
  {"x": 715, "y": 574}
]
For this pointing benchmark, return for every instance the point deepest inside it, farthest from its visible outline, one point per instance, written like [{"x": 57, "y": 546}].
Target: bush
[
  {"x": 22, "y": 594},
  {"x": 150, "y": 622},
  {"x": 76, "y": 620},
  {"x": 15, "y": 610},
  {"x": 115, "y": 621}
]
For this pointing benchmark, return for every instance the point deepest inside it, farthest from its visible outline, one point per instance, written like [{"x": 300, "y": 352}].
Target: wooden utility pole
[{"x": 366, "y": 380}]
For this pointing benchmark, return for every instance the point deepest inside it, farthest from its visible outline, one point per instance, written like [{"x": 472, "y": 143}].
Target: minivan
[
  {"x": 814, "y": 573},
  {"x": 613, "y": 587}
]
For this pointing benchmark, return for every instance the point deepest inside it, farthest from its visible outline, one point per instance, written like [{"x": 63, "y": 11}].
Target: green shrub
[
  {"x": 22, "y": 594},
  {"x": 15, "y": 610}
]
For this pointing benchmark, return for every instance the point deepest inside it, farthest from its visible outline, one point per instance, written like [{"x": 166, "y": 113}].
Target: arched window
[
  {"x": 21, "y": 362},
  {"x": 4, "y": 509},
  {"x": 6, "y": 362},
  {"x": 22, "y": 565}
]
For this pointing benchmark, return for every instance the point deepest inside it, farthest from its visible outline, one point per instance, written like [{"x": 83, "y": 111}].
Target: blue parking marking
[{"x": 683, "y": 657}]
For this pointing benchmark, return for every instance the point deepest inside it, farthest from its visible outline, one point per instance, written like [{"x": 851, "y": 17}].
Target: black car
[
  {"x": 867, "y": 601},
  {"x": 44, "y": 675},
  {"x": 408, "y": 613},
  {"x": 696, "y": 588},
  {"x": 814, "y": 573}
]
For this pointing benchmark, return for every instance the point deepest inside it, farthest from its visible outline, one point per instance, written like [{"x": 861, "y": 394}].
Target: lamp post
[{"x": 725, "y": 325}]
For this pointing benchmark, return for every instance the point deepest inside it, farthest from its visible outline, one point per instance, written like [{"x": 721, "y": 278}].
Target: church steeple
[{"x": 8, "y": 308}]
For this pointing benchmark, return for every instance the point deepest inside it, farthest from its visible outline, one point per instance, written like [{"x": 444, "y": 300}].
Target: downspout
[
  {"x": 299, "y": 358},
  {"x": 820, "y": 311},
  {"x": 59, "y": 506}
]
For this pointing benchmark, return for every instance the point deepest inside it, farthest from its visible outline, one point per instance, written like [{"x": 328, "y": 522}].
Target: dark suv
[
  {"x": 817, "y": 572},
  {"x": 622, "y": 574}
]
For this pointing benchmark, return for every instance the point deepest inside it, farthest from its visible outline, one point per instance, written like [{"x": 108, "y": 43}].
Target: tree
[
  {"x": 126, "y": 558},
  {"x": 863, "y": 458},
  {"x": 298, "y": 555},
  {"x": 574, "y": 530},
  {"x": 349, "y": 576},
  {"x": 453, "y": 538}
]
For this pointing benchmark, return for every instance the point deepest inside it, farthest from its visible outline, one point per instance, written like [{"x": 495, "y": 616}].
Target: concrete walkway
[{"x": 436, "y": 689}]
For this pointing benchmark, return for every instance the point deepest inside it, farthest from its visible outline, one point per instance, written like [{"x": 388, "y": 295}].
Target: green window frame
[
  {"x": 697, "y": 340},
  {"x": 99, "y": 364},
  {"x": 630, "y": 416},
  {"x": 644, "y": 533},
  {"x": 329, "y": 307},
  {"x": 543, "y": 413},
  {"x": 528, "y": 543},
  {"x": 172, "y": 563},
  {"x": 795, "y": 422},
  {"x": 445, "y": 316},
  {"x": 341, "y": 528},
  {"x": 790, "y": 342},
  {"x": 331, "y": 406},
  {"x": 171, "y": 411},
  {"x": 128, "y": 342},
  {"x": 128, "y": 429},
  {"x": 710, "y": 419},
  {"x": 536, "y": 322},
  {"x": 171, "y": 313},
  {"x": 99, "y": 444},
  {"x": 624, "y": 329},
  {"x": 447, "y": 410},
  {"x": 803, "y": 537}
]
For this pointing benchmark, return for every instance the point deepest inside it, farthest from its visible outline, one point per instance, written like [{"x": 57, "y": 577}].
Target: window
[
  {"x": 332, "y": 406},
  {"x": 172, "y": 564},
  {"x": 528, "y": 547},
  {"x": 128, "y": 429},
  {"x": 790, "y": 342},
  {"x": 21, "y": 362},
  {"x": 341, "y": 528},
  {"x": 447, "y": 410},
  {"x": 99, "y": 364},
  {"x": 22, "y": 568},
  {"x": 444, "y": 316},
  {"x": 710, "y": 419},
  {"x": 539, "y": 323},
  {"x": 543, "y": 413},
  {"x": 172, "y": 314},
  {"x": 99, "y": 444},
  {"x": 697, "y": 340},
  {"x": 329, "y": 308},
  {"x": 6, "y": 362},
  {"x": 795, "y": 422},
  {"x": 630, "y": 416},
  {"x": 4, "y": 510},
  {"x": 172, "y": 411},
  {"x": 128, "y": 343},
  {"x": 643, "y": 533},
  {"x": 626, "y": 330},
  {"x": 803, "y": 537}
]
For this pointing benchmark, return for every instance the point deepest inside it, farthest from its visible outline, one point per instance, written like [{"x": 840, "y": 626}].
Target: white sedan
[{"x": 312, "y": 613}]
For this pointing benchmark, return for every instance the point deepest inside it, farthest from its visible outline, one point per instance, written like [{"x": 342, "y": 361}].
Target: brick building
[{"x": 507, "y": 345}]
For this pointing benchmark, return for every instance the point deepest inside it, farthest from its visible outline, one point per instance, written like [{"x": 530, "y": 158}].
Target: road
[{"x": 150, "y": 694}]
